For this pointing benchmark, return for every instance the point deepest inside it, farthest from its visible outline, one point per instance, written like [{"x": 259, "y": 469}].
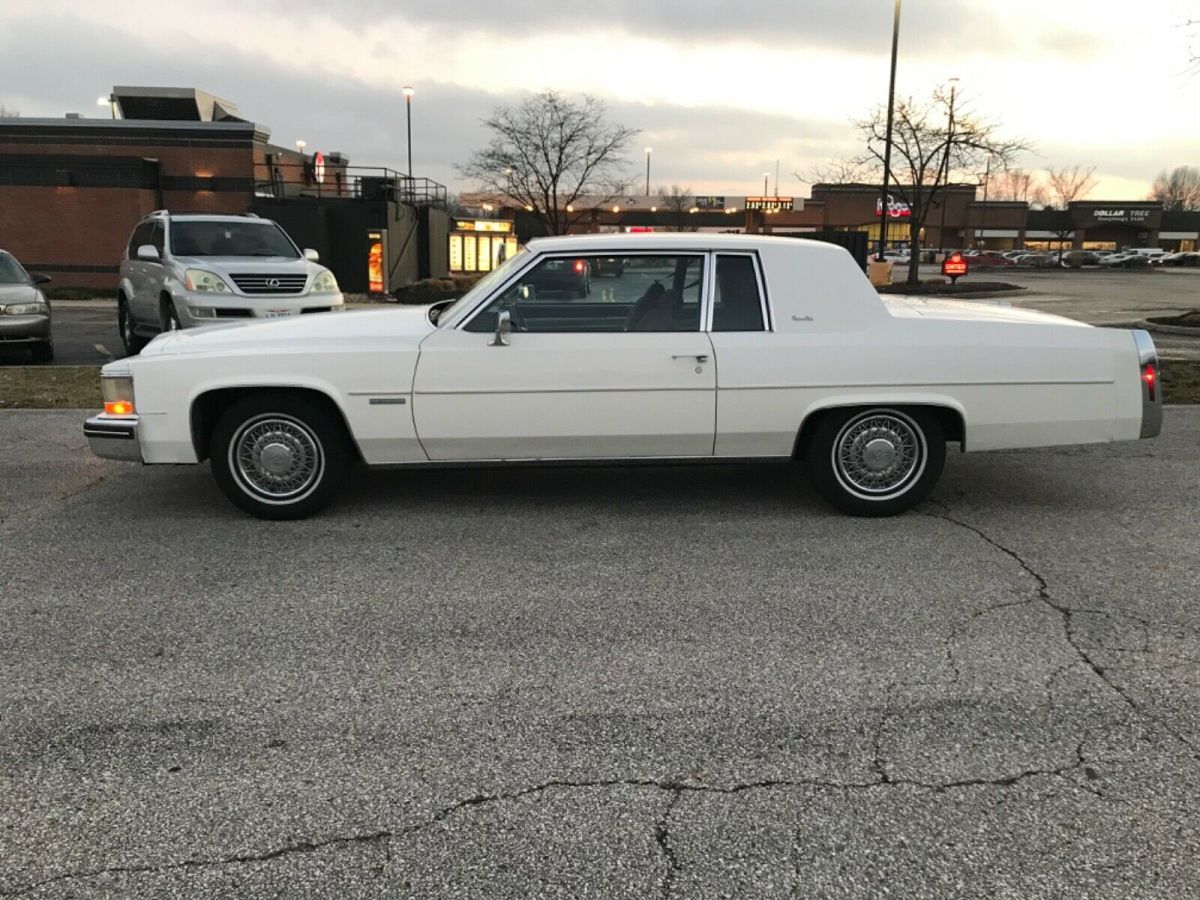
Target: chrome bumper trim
[
  {"x": 1152, "y": 409},
  {"x": 114, "y": 438}
]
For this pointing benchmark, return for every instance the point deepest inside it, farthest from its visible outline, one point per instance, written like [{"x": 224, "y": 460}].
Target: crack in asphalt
[
  {"x": 661, "y": 831},
  {"x": 662, "y": 836},
  {"x": 1067, "y": 614}
]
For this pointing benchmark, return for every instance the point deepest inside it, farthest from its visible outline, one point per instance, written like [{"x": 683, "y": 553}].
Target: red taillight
[
  {"x": 579, "y": 265},
  {"x": 1150, "y": 378}
]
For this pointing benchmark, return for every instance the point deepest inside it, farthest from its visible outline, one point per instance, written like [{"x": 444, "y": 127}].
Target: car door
[
  {"x": 623, "y": 371},
  {"x": 138, "y": 273}
]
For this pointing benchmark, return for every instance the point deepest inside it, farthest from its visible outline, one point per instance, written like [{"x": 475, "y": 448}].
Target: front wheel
[
  {"x": 279, "y": 457},
  {"x": 876, "y": 462},
  {"x": 125, "y": 326}
]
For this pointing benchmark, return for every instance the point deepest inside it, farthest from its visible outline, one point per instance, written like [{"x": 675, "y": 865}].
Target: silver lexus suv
[{"x": 182, "y": 270}]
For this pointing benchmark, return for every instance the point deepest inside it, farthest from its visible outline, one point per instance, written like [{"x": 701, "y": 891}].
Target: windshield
[
  {"x": 202, "y": 238},
  {"x": 11, "y": 271},
  {"x": 485, "y": 284}
]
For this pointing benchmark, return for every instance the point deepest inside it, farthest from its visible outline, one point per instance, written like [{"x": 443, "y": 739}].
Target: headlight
[
  {"x": 204, "y": 282},
  {"x": 117, "y": 391},
  {"x": 202, "y": 312},
  {"x": 325, "y": 283},
  {"x": 27, "y": 309}
]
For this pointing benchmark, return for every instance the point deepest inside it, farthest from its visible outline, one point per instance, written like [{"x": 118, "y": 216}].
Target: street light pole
[
  {"x": 766, "y": 175},
  {"x": 648, "y": 151},
  {"x": 987, "y": 177},
  {"x": 887, "y": 146}
]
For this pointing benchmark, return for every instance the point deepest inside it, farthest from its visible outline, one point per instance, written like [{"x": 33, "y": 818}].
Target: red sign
[
  {"x": 955, "y": 265},
  {"x": 319, "y": 166},
  {"x": 897, "y": 209}
]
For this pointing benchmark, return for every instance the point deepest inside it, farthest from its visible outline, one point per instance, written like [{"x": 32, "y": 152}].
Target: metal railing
[{"x": 297, "y": 180}]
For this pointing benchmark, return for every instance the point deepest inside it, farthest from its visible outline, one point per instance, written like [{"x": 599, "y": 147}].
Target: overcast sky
[{"x": 720, "y": 90}]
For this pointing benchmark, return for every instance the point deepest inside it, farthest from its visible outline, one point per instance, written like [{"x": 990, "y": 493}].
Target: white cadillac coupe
[{"x": 689, "y": 347}]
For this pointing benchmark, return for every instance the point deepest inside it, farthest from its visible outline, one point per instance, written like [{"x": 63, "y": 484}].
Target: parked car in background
[
  {"x": 569, "y": 277},
  {"x": 1038, "y": 260},
  {"x": 24, "y": 310},
  {"x": 182, "y": 270},
  {"x": 709, "y": 347},
  {"x": 1183, "y": 258},
  {"x": 985, "y": 259},
  {"x": 607, "y": 265},
  {"x": 1125, "y": 260}
]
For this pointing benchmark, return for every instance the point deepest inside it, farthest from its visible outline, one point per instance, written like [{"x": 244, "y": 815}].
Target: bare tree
[
  {"x": 1177, "y": 189},
  {"x": 1020, "y": 185},
  {"x": 548, "y": 153},
  {"x": 1066, "y": 185},
  {"x": 1063, "y": 187},
  {"x": 840, "y": 171},
  {"x": 926, "y": 155},
  {"x": 677, "y": 201},
  {"x": 8, "y": 113}
]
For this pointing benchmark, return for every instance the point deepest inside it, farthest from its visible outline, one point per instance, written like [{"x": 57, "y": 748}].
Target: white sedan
[{"x": 700, "y": 348}]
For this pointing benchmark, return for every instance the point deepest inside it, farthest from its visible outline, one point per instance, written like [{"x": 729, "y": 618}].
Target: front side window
[
  {"x": 11, "y": 271},
  {"x": 737, "y": 303},
  {"x": 141, "y": 235},
  {"x": 201, "y": 238},
  {"x": 605, "y": 293}
]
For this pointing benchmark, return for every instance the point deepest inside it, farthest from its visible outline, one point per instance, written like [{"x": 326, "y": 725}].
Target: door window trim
[
  {"x": 764, "y": 301},
  {"x": 706, "y": 285}
]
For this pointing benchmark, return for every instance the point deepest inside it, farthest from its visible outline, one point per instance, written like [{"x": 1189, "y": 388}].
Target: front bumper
[
  {"x": 230, "y": 308},
  {"x": 114, "y": 437},
  {"x": 24, "y": 329}
]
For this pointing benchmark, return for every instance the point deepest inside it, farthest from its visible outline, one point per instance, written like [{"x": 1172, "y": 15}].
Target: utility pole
[
  {"x": 408, "y": 95},
  {"x": 648, "y": 151},
  {"x": 946, "y": 167},
  {"x": 987, "y": 177},
  {"x": 887, "y": 147}
]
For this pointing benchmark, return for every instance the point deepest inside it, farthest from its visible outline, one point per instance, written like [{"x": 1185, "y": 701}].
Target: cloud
[{"x": 858, "y": 26}]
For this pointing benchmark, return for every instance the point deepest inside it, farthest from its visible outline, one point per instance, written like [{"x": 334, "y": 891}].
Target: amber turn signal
[{"x": 118, "y": 408}]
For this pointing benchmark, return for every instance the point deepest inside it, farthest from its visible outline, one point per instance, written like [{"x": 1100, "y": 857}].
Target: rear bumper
[{"x": 113, "y": 437}]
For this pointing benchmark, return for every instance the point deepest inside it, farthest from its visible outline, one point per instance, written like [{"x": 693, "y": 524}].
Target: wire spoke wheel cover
[
  {"x": 276, "y": 458},
  {"x": 879, "y": 454}
]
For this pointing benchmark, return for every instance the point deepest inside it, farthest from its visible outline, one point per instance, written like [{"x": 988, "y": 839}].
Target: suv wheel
[
  {"x": 129, "y": 337},
  {"x": 876, "y": 462},
  {"x": 279, "y": 457},
  {"x": 170, "y": 318}
]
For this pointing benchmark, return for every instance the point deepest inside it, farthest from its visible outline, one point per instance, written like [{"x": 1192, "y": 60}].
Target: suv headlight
[
  {"x": 203, "y": 282},
  {"x": 325, "y": 283},
  {"x": 26, "y": 309}
]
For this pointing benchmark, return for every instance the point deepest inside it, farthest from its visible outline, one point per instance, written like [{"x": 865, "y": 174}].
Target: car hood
[
  {"x": 18, "y": 293},
  {"x": 961, "y": 310},
  {"x": 364, "y": 329},
  {"x": 256, "y": 265}
]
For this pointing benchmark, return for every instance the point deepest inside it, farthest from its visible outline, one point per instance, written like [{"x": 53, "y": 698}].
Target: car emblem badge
[{"x": 272, "y": 282}]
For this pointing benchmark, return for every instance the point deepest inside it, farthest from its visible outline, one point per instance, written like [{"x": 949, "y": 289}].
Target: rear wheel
[
  {"x": 279, "y": 457},
  {"x": 876, "y": 462}
]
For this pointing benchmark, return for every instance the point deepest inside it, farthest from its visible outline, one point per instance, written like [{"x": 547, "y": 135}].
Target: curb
[{"x": 1169, "y": 329}]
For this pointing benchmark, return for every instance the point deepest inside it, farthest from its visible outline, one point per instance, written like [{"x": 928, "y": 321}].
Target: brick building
[{"x": 72, "y": 189}]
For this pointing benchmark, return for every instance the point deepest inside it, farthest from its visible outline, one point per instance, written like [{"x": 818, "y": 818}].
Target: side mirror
[
  {"x": 503, "y": 329},
  {"x": 148, "y": 252},
  {"x": 39, "y": 277},
  {"x": 312, "y": 255}
]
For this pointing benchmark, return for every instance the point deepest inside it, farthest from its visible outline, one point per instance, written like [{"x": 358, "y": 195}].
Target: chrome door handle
[{"x": 698, "y": 357}]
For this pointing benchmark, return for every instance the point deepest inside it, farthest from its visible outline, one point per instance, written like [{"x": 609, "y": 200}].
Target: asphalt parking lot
[{"x": 621, "y": 682}]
